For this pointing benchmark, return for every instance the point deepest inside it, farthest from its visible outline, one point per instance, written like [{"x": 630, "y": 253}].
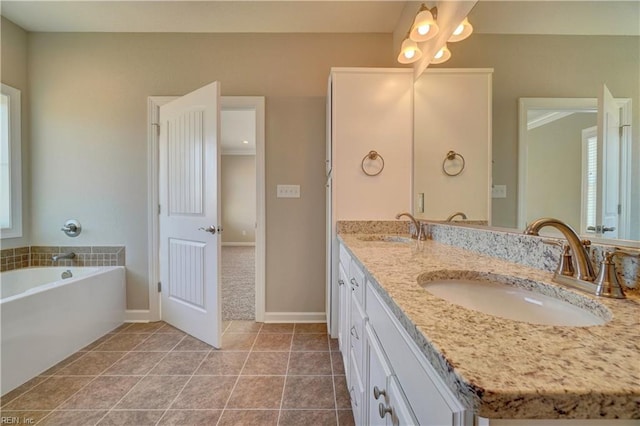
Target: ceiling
[{"x": 322, "y": 16}]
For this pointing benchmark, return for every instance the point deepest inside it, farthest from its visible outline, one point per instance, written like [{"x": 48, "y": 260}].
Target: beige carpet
[{"x": 238, "y": 283}]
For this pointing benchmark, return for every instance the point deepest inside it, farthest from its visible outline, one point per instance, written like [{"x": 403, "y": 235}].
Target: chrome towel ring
[
  {"x": 451, "y": 156},
  {"x": 373, "y": 156}
]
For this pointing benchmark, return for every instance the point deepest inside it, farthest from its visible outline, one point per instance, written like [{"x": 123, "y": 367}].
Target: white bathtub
[{"x": 45, "y": 318}]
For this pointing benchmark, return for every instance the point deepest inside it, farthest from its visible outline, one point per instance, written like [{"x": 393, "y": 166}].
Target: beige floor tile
[
  {"x": 222, "y": 364},
  {"x": 337, "y": 363},
  {"x": 238, "y": 341},
  {"x": 11, "y": 395},
  {"x": 131, "y": 418},
  {"x": 334, "y": 345},
  {"x": 48, "y": 394},
  {"x": 166, "y": 328},
  {"x": 310, "y": 342},
  {"x": 249, "y": 418},
  {"x": 190, "y": 417},
  {"x": 243, "y": 327},
  {"x": 257, "y": 392},
  {"x": 266, "y": 363},
  {"x": 121, "y": 327},
  {"x": 135, "y": 363},
  {"x": 311, "y": 328},
  {"x": 159, "y": 342},
  {"x": 91, "y": 346},
  {"x": 178, "y": 363},
  {"x": 273, "y": 342},
  {"x": 277, "y": 328},
  {"x": 309, "y": 363},
  {"x": 91, "y": 364},
  {"x": 102, "y": 393},
  {"x": 343, "y": 399},
  {"x": 64, "y": 363},
  {"x": 144, "y": 327},
  {"x": 73, "y": 418},
  {"x": 345, "y": 418},
  {"x": 153, "y": 393},
  {"x": 308, "y": 417},
  {"x": 308, "y": 392},
  {"x": 190, "y": 343},
  {"x": 205, "y": 392},
  {"x": 122, "y": 342}
]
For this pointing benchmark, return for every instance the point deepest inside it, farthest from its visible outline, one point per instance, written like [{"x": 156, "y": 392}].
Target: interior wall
[
  {"x": 554, "y": 163},
  {"x": 13, "y": 72},
  {"x": 548, "y": 66},
  {"x": 89, "y": 116},
  {"x": 238, "y": 198}
]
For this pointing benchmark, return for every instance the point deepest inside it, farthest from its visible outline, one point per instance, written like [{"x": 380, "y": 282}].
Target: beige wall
[
  {"x": 548, "y": 66},
  {"x": 89, "y": 115},
  {"x": 13, "y": 72},
  {"x": 238, "y": 198},
  {"x": 554, "y": 160}
]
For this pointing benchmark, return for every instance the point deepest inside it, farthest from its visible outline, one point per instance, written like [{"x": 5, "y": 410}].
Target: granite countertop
[{"x": 501, "y": 368}]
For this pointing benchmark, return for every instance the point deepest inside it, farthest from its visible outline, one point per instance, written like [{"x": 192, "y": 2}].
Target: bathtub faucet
[{"x": 57, "y": 257}]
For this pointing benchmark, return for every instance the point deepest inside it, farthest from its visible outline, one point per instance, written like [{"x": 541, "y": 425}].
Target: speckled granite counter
[{"x": 507, "y": 369}]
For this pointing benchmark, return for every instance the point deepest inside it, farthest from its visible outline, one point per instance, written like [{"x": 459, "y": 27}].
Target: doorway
[{"x": 256, "y": 105}]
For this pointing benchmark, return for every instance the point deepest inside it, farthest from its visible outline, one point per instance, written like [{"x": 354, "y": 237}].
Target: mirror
[{"x": 566, "y": 172}]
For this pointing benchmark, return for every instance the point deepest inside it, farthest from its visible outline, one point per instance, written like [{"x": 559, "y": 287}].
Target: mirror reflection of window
[
  {"x": 10, "y": 163},
  {"x": 590, "y": 178}
]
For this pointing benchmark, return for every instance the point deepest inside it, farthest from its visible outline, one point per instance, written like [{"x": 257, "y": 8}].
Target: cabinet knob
[
  {"x": 340, "y": 282},
  {"x": 354, "y": 333},
  {"x": 377, "y": 392},
  {"x": 354, "y": 282},
  {"x": 383, "y": 410}
]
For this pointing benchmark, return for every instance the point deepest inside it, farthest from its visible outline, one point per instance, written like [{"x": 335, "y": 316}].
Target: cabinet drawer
[
  {"x": 356, "y": 331},
  {"x": 357, "y": 282},
  {"x": 417, "y": 379},
  {"x": 356, "y": 392}
]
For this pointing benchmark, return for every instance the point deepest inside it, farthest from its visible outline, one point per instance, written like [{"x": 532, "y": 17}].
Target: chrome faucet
[
  {"x": 57, "y": 257},
  {"x": 419, "y": 235},
  {"x": 582, "y": 263},
  {"x": 605, "y": 284},
  {"x": 462, "y": 215}
]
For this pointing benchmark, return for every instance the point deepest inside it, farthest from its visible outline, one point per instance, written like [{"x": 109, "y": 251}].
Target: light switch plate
[
  {"x": 499, "y": 191},
  {"x": 288, "y": 191}
]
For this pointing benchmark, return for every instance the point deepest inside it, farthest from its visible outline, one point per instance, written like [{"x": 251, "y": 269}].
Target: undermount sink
[
  {"x": 385, "y": 238},
  {"x": 511, "y": 302}
]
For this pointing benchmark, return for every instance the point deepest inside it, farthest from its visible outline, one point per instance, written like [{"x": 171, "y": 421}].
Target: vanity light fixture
[
  {"x": 443, "y": 55},
  {"x": 424, "y": 25},
  {"x": 409, "y": 52},
  {"x": 462, "y": 31}
]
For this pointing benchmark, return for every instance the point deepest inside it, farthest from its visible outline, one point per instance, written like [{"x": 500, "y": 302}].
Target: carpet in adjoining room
[{"x": 238, "y": 283}]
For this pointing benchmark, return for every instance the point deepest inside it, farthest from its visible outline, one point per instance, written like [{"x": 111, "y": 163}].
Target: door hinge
[
  {"x": 159, "y": 287},
  {"x": 159, "y": 209},
  {"x": 619, "y": 208}
]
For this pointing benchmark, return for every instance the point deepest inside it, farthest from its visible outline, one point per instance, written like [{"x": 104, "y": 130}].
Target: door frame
[{"x": 153, "y": 113}]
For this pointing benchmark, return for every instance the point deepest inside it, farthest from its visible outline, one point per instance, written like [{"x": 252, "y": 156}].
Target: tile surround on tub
[{"x": 24, "y": 257}]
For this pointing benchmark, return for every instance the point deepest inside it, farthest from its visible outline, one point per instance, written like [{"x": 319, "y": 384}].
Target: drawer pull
[
  {"x": 383, "y": 410},
  {"x": 354, "y": 282},
  {"x": 377, "y": 392},
  {"x": 354, "y": 333},
  {"x": 340, "y": 282}
]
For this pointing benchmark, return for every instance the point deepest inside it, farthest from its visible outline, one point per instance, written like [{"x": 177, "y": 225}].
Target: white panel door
[
  {"x": 190, "y": 213},
  {"x": 608, "y": 195}
]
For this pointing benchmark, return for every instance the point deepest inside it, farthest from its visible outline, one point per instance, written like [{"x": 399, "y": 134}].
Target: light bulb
[
  {"x": 459, "y": 30},
  {"x": 439, "y": 54},
  {"x": 423, "y": 29},
  {"x": 409, "y": 54}
]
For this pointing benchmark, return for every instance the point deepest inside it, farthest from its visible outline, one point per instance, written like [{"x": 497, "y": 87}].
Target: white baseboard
[
  {"x": 232, "y": 244},
  {"x": 295, "y": 317},
  {"x": 137, "y": 315}
]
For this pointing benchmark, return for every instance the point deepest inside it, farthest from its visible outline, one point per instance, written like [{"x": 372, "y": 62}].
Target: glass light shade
[
  {"x": 424, "y": 27},
  {"x": 409, "y": 52},
  {"x": 442, "y": 55},
  {"x": 463, "y": 31}
]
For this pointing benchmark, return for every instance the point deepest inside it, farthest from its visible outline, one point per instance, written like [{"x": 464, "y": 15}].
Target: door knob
[{"x": 210, "y": 229}]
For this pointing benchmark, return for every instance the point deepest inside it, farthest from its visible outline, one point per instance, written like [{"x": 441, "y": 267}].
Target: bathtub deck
[{"x": 155, "y": 374}]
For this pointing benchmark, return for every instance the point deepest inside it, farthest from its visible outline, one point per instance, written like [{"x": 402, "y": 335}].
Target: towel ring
[
  {"x": 451, "y": 155},
  {"x": 373, "y": 156}
]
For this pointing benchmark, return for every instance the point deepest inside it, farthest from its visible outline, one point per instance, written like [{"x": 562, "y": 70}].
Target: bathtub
[{"x": 45, "y": 318}]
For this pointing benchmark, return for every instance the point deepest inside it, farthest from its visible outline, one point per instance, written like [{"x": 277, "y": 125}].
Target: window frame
[{"x": 15, "y": 163}]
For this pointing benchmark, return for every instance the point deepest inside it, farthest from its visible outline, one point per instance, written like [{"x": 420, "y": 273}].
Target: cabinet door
[
  {"x": 379, "y": 372},
  {"x": 398, "y": 412},
  {"x": 343, "y": 300}
]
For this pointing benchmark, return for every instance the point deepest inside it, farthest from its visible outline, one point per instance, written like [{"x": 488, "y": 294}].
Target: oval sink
[{"x": 511, "y": 302}]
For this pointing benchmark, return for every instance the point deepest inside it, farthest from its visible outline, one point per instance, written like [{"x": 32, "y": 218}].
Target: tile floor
[{"x": 154, "y": 374}]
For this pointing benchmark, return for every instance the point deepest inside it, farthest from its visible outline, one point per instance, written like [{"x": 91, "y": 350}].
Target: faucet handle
[
  {"x": 565, "y": 266},
  {"x": 607, "y": 282}
]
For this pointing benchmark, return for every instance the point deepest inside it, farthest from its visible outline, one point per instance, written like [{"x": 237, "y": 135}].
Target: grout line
[
  {"x": 286, "y": 374},
  {"x": 239, "y": 374},
  {"x": 333, "y": 382}
]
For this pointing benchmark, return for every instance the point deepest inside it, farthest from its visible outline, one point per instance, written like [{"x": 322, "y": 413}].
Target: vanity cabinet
[{"x": 389, "y": 380}]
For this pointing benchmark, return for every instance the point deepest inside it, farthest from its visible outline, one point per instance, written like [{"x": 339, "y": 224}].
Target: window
[
  {"x": 589, "y": 179},
  {"x": 10, "y": 164}
]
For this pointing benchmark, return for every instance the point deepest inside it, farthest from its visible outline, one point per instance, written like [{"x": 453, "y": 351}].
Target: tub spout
[{"x": 57, "y": 257}]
